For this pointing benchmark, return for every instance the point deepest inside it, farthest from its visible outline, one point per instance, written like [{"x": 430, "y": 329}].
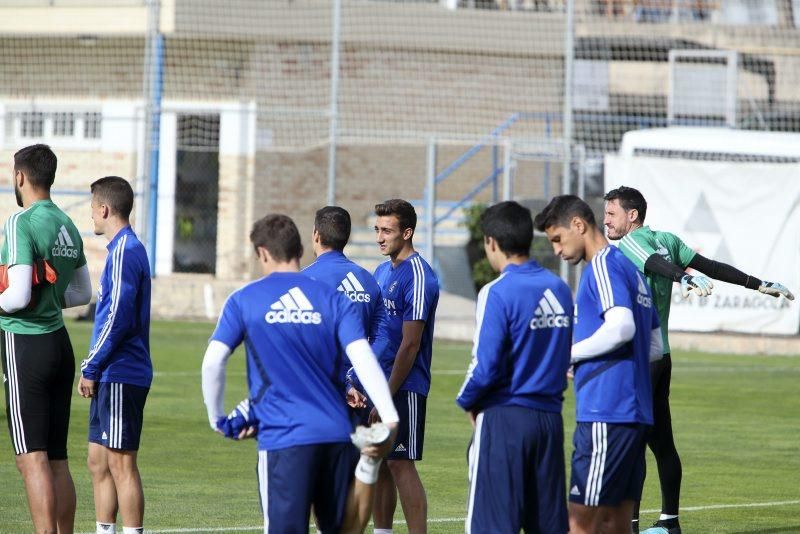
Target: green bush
[{"x": 482, "y": 272}]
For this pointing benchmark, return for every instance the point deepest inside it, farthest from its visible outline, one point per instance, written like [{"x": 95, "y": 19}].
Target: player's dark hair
[
  {"x": 561, "y": 210},
  {"x": 279, "y": 235},
  {"x": 332, "y": 223},
  {"x": 116, "y": 193},
  {"x": 510, "y": 224},
  {"x": 403, "y": 210},
  {"x": 630, "y": 199},
  {"x": 39, "y": 163}
]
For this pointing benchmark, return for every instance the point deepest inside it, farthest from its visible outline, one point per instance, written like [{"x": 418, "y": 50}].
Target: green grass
[{"x": 735, "y": 417}]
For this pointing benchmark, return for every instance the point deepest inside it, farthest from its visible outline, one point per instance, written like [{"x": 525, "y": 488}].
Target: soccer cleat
[
  {"x": 364, "y": 436},
  {"x": 666, "y": 526}
]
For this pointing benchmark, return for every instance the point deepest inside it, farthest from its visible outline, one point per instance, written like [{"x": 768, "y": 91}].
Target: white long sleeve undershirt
[
  {"x": 214, "y": 363},
  {"x": 79, "y": 290},
  {"x": 18, "y": 293},
  {"x": 617, "y": 329}
]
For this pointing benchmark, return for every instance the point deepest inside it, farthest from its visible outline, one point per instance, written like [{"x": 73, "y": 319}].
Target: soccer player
[
  {"x": 410, "y": 293},
  {"x": 45, "y": 269},
  {"x": 295, "y": 330},
  {"x": 514, "y": 386},
  {"x": 117, "y": 373},
  {"x": 615, "y": 335},
  {"x": 662, "y": 257},
  {"x": 330, "y": 235}
]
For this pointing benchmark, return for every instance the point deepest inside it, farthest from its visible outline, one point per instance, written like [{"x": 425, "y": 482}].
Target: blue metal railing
[{"x": 549, "y": 118}]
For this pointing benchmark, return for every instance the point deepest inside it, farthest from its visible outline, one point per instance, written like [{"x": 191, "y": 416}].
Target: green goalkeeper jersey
[
  {"x": 42, "y": 231},
  {"x": 643, "y": 243}
]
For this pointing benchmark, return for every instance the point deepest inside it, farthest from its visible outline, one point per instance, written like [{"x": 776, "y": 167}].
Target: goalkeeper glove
[
  {"x": 774, "y": 289},
  {"x": 699, "y": 285}
]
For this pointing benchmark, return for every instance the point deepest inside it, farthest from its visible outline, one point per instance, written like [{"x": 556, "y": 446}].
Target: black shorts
[
  {"x": 38, "y": 372},
  {"x": 411, "y": 428},
  {"x": 115, "y": 415}
]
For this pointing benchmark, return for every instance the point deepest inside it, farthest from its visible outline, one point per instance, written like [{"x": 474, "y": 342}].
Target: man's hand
[
  {"x": 248, "y": 432},
  {"x": 87, "y": 388},
  {"x": 356, "y": 399},
  {"x": 373, "y": 416},
  {"x": 774, "y": 289},
  {"x": 473, "y": 416},
  {"x": 699, "y": 285}
]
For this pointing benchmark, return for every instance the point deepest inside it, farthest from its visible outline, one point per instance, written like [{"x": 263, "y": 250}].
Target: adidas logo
[
  {"x": 351, "y": 287},
  {"x": 549, "y": 313},
  {"x": 642, "y": 298},
  {"x": 64, "y": 246},
  {"x": 575, "y": 491},
  {"x": 400, "y": 448},
  {"x": 105, "y": 436},
  {"x": 293, "y": 307}
]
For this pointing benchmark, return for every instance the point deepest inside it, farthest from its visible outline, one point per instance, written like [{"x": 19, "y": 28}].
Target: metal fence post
[
  {"x": 430, "y": 201},
  {"x": 569, "y": 68},
  {"x": 508, "y": 186},
  {"x": 153, "y": 89},
  {"x": 495, "y": 161},
  {"x": 334, "y": 109}
]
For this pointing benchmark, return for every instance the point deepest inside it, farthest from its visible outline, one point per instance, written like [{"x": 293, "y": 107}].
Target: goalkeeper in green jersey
[{"x": 662, "y": 257}]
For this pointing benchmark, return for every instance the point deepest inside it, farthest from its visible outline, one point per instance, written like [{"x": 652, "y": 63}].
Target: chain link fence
[{"x": 286, "y": 105}]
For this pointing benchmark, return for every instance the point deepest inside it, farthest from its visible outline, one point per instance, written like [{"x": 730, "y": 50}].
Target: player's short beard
[{"x": 18, "y": 194}]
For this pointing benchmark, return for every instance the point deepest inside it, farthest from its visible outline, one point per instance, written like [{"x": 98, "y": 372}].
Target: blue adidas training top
[
  {"x": 120, "y": 347},
  {"x": 614, "y": 387},
  {"x": 410, "y": 292},
  {"x": 523, "y": 337},
  {"x": 294, "y": 329},
  {"x": 336, "y": 270}
]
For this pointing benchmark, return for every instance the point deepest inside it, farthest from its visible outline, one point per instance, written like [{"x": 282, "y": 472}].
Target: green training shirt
[
  {"x": 42, "y": 231},
  {"x": 643, "y": 243}
]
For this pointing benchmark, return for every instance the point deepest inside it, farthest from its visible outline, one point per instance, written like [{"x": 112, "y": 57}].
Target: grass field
[{"x": 737, "y": 421}]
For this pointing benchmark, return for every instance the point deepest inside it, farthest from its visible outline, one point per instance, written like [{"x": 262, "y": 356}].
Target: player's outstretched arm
[
  {"x": 699, "y": 285},
  {"x": 728, "y": 273}
]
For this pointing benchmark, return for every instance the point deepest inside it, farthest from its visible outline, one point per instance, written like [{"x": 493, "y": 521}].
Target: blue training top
[
  {"x": 294, "y": 329},
  {"x": 120, "y": 347},
  {"x": 336, "y": 270},
  {"x": 614, "y": 387},
  {"x": 522, "y": 342},
  {"x": 410, "y": 293}
]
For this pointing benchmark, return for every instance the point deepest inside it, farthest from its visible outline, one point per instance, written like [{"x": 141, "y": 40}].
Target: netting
[{"x": 249, "y": 103}]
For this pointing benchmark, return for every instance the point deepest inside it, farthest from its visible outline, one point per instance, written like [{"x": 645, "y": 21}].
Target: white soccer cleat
[{"x": 364, "y": 436}]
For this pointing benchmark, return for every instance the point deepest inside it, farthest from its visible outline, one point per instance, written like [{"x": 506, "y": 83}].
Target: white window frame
[{"x": 14, "y": 110}]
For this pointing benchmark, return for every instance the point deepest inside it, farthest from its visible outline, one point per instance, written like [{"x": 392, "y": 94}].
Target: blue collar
[
  {"x": 127, "y": 230},
  {"x": 527, "y": 266},
  {"x": 330, "y": 255}
]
